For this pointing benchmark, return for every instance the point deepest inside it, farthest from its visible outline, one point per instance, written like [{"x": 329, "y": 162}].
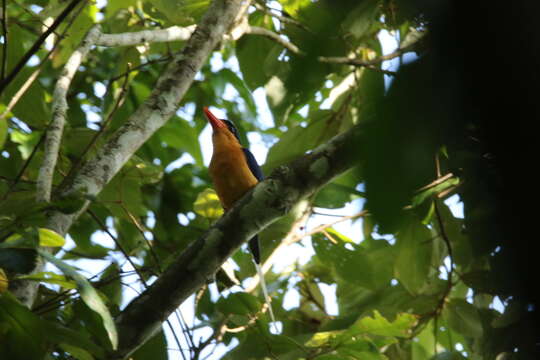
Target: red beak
[{"x": 214, "y": 121}]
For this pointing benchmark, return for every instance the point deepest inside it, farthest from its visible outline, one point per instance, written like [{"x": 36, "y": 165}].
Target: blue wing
[
  {"x": 257, "y": 172},
  {"x": 253, "y": 166}
]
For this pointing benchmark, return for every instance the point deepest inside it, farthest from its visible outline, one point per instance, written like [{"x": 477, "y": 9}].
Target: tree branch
[
  {"x": 267, "y": 202},
  {"x": 56, "y": 126},
  {"x": 173, "y": 33},
  {"x": 256, "y": 30}
]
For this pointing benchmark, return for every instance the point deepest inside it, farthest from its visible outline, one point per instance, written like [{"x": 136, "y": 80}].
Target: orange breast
[{"x": 231, "y": 175}]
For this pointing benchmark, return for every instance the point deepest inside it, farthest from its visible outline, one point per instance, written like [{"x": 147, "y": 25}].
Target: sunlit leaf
[
  {"x": 379, "y": 325},
  {"x": 208, "y": 205},
  {"x": 4, "y": 282},
  {"x": 50, "y": 238},
  {"x": 51, "y": 278}
]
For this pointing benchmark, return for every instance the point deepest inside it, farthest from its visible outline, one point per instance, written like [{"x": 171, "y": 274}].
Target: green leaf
[
  {"x": 155, "y": 348},
  {"x": 30, "y": 239},
  {"x": 296, "y": 142},
  {"x": 242, "y": 89},
  {"x": 18, "y": 261},
  {"x": 88, "y": 294},
  {"x": 339, "y": 192},
  {"x": 77, "y": 31},
  {"x": 50, "y": 278},
  {"x": 21, "y": 333},
  {"x": 379, "y": 325},
  {"x": 360, "y": 265},
  {"x": 179, "y": 134},
  {"x": 252, "y": 52},
  {"x": 414, "y": 253},
  {"x": 239, "y": 303},
  {"x": 208, "y": 205},
  {"x": 50, "y": 238},
  {"x": 24, "y": 335},
  {"x": 463, "y": 318}
]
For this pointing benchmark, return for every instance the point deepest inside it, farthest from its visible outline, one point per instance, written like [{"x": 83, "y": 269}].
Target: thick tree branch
[
  {"x": 60, "y": 106},
  {"x": 173, "y": 33},
  {"x": 268, "y": 201}
]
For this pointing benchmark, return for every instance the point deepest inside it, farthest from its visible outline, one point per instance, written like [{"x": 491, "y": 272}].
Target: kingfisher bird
[{"x": 234, "y": 171}]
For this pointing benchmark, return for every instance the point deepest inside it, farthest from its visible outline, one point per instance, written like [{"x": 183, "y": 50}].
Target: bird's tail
[{"x": 265, "y": 293}]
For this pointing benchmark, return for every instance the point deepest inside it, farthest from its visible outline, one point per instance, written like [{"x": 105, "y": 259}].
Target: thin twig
[
  {"x": 5, "y": 44},
  {"x": 135, "y": 68},
  {"x": 23, "y": 169},
  {"x": 118, "y": 103},
  {"x": 281, "y": 18},
  {"x": 35, "y": 47},
  {"x": 22, "y": 90},
  {"x": 370, "y": 64}
]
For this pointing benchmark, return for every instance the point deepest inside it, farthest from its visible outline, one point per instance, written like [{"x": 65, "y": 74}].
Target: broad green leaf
[
  {"x": 414, "y": 253},
  {"x": 325, "y": 338},
  {"x": 464, "y": 318},
  {"x": 367, "y": 268},
  {"x": 252, "y": 53},
  {"x": 242, "y": 89},
  {"x": 239, "y": 303},
  {"x": 208, "y": 205},
  {"x": 379, "y": 325},
  {"x": 27, "y": 141},
  {"x": 361, "y": 19},
  {"x": 294, "y": 143},
  {"x": 24, "y": 335},
  {"x": 50, "y": 238},
  {"x": 88, "y": 294},
  {"x": 32, "y": 107},
  {"x": 339, "y": 192},
  {"x": 423, "y": 347},
  {"x": 21, "y": 333},
  {"x": 179, "y": 134},
  {"x": 18, "y": 261},
  {"x": 30, "y": 239},
  {"x": 51, "y": 278},
  {"x": 77, "y": 31},
  {"x": 155, "y": 348}
]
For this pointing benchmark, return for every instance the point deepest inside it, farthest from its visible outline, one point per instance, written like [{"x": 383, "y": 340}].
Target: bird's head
[{"x": 223, "y": 130}]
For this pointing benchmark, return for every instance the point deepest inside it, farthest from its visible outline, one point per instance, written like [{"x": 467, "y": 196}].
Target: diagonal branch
[
  {"x": 267, "y": 202},
  {"x": 56, "y": 126}
]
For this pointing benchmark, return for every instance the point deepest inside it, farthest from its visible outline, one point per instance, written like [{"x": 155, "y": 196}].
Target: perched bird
[{"x": 234, "y": 171}]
